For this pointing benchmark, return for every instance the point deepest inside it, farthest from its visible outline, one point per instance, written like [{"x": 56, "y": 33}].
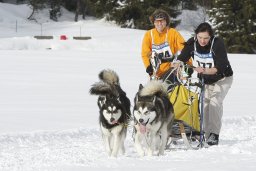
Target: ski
[{"x": 185, "y": 139}]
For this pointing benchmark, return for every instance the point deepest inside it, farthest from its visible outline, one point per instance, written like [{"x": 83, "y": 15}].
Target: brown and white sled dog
[
  {"x": 114, "y": 111},
  {"x": 153, "y": 118}
]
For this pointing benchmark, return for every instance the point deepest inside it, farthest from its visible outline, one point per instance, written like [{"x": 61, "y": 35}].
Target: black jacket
[{"x": 220, "y": 58}]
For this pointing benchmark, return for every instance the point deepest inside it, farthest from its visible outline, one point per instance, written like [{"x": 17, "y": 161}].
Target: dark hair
[
  {"x": 204, "y": 27},
  {"x": 161, "y": 14}
]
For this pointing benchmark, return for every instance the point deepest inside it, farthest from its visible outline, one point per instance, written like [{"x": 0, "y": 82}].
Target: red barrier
[{"x": 63, "y": 37}]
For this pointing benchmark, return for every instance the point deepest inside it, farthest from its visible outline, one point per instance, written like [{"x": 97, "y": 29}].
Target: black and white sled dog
[
  {"x": 114, "y": 111},
  {"x": 153, "y": 118}
]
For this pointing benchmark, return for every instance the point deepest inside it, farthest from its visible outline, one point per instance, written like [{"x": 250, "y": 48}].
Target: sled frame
[{"x": 183, "y": 135}]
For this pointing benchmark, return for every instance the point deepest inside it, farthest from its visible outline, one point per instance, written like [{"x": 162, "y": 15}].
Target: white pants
[{"x": 213, "y": 105}]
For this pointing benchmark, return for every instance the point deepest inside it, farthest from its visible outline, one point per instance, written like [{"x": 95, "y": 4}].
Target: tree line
[{"x": 233, "y": 20}]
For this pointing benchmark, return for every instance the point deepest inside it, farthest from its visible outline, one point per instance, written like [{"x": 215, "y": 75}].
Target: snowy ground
[{"x": 48, "y": 120}]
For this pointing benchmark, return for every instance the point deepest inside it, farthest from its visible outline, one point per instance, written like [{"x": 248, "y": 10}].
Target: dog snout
[
  {"x": 141, "y": 120},
  {"x": 112, "y": 119}
]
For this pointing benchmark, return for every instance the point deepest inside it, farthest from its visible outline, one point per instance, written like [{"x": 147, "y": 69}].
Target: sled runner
[{"x": 184, "y": 94}]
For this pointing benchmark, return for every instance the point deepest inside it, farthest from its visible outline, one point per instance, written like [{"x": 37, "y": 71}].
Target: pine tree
[
  {"x": 70, "y": 5},
  {"x": 35, "y": 5},
  {"x": 189, "y": 4},
  {"x": 103, "y": 8},
  {"x": 55, "y": 6},
  {"x": 135, "y": 13},
  {"x": 126, "y": 13},
  {"x": 234, "y": 21}
]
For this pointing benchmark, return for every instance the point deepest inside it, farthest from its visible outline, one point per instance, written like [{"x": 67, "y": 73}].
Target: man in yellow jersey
[{"x": 160, "y": 45}]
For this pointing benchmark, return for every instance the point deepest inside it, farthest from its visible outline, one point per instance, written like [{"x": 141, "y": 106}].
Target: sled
[
  {"x": 186, "y": 103},
  {"x": 184, "y": 94}
]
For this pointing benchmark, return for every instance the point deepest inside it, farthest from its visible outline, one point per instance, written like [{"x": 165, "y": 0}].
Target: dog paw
[
  {"x": 113, "y": 155},
  {"x": 150, "y": 153},
  {"x": 161, "y": 152},
  {"x": 141, "y": 153},
  {"x": 122, "y": 151},
  {"x": 109, "y": 153}
]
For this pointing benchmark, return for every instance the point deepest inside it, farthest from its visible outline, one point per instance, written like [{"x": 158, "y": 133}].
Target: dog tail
[
  {"x": 109, "y": 81},
  {"x": 154, "y": 87},
  {"x": 102, "y": 88},
  {"x": 109, "y": 76}
]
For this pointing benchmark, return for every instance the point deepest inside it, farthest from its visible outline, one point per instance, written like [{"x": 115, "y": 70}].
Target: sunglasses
[{"x": 160, "y": 16}]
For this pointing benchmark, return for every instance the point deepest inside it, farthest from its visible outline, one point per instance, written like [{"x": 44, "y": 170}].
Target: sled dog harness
[
  {"x": 161, "y": 51},
  {"x": 204, "y": 60}
]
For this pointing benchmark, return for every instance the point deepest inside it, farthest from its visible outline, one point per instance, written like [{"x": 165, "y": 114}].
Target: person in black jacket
[{"x": 211, "y": 63}]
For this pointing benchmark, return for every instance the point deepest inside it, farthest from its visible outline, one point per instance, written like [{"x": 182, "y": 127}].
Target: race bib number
[
  {"x": 163, "y": 52},
  {"x": 203, "y": 60}
]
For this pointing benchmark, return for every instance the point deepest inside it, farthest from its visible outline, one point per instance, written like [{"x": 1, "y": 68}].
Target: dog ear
[
  {"x": 101, "y": 101},
  {"x": 154, "y": 99},
  {"x": 136, "y": 99},
  {"x": 140, "y": 87}
]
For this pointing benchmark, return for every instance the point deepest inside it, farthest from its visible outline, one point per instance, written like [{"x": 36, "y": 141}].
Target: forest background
[{"x": 233, "y": 20}]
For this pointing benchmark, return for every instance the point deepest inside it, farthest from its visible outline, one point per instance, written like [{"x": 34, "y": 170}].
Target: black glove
[
  {"x": 189, "y": 70},
  {"x": 149, "y": 70}
]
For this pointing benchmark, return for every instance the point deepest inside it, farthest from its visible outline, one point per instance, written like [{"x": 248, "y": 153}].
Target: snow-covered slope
[{"x": 48, "y": 120}]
